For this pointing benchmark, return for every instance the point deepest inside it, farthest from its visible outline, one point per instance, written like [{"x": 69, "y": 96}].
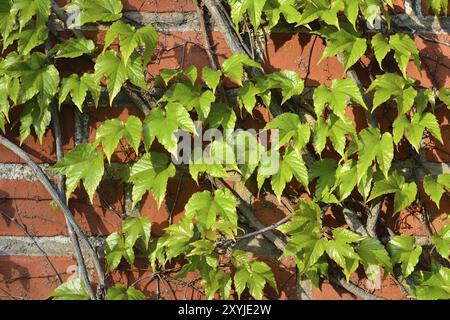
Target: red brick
[
  {"x": 152, "y": 5},
  {"x": 437, "y": 151},
  {"x": 31, "y": 277},
  {"x": 30, "y": 204},
  {"x": 435, "y": 59},
  {"x": 298, "y": 48},
  {"x": 159, "y": 217}
]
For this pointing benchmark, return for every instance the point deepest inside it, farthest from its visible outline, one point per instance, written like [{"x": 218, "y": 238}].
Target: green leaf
[
  {"x": 404, "y": 48},
  {"x": 115, "y": 70},
  {"x": 403, "y": 250},
  {"x": 369, "y": 149},
  {"x": 405, "y": 193},
  {"x": 247, "y": 96},
  {"x": 323, "y": 10},
  {"x": 248, "y": 153},
  {"x": 444, "y": 96},
  {"x": 385, "y": 153},
  {"x": 344, "y": 255},
  {"x": 381, "y": 47},
  {"x": 346, "y": 42},
  {"x": 273, "y": 10},
  {"x": 211, "y": 77},
  {"x": 204, "y": 162},
  {"x": 205, "y": 207},
  {"x": 73, "y": 48},
  {"x": 290, "y": 128},
  {"x": 438, "y": 6},
  {"x": 432, "y": 285},
  {"x": 221, "y": 115},
  {"x": 130, "y": 39},
  {"x": 233, "y": 67},
  {"x": 151, "y": 172},
  {"x": 119, "y": 292},
  {"x": 372, "y": 253},
  {"x": 415, "y": 128},
  {"x": 83, "y": 163},
  {"x": 71, "y": 290},
  {"x": 433, "y": 188},
  {"x": 30, "y": 37},
  {"x": 346, "y": 236},
  {"x": 238, "y": 8},
  {"x": 391, "y": 85},
  {"x": 337, "y": 96},
  {"x": 77, "y": 88},
  {"x": 346, "y": 179},
  {"x": 27, "y": 9},
  {"x": 325, "y": 171},
  {"x": 191, "y": 96},
  {"x": 33, "y": 116},
  {"x": 94, "y": 11},
  {"x": 289, "y": 82},
  {"x": 115, "y": 250},
  {"x": 254, "y": 275},
  {"x": 37, "y": 78},
  {"x": 112, "y": 131},
  {"x": 292, "y": 165},
  {"x": 163, "y": 126},
  {"x": 135, "y": 228},
  {"x": 254, "y": 11}
]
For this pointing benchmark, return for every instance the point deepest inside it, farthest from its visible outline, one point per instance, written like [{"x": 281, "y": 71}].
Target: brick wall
[{"x": 33, "y": 238}]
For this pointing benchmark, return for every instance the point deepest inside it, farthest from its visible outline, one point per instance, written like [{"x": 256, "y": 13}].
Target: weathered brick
[
  {"x": 31, "y": 277},
  {"x": 30, "y": 204}
]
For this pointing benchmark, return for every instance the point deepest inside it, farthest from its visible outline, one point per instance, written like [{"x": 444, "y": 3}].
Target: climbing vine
[{"x": 354, "y": 179}]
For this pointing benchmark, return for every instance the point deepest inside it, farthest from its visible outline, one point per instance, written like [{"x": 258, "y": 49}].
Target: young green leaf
[
  {"x": 325, "y": 171},
  {"x": 78, "y": 87},
  {"x": 130, "y": 40},
  {"x": 134, "y": 228},
  {"x": 372, "y": 254},
  {"x": 337, "y": 96},
  {"x": 211, "y": 77},
  {"x": 83, "y": 163},
  {"x": 94, "y": 11},
  {"x": 289, "y": 128},
  {"x": 391, "y": 85},
  {"x": 221, "y": 115},
  {"x": 441, "y": 241},
  {"x": 405, "y": 193},
  {"x": 404, "y": 48},
  {"x": 112, "y": 131},
  {"x": 434, "y": 188},
  {"x": 73, "y": 48},
  {"x": 151, "y": 172},
  {"x": 347, "y": 42},
  {"x": 115, "y": 70},
  {"x": 119, "y": 292},
  {"x": 292, "y": 165},
  {"x": 33, "y": 116},
  {"x": 404, "y": 250},
  {"x": 163, "y": 125},
  {"x": 71, "y": 290},
  {"x": 438, "y": 6},
  {"x": 233, "y": 67},
  {"x": 205, "y": 207}
]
